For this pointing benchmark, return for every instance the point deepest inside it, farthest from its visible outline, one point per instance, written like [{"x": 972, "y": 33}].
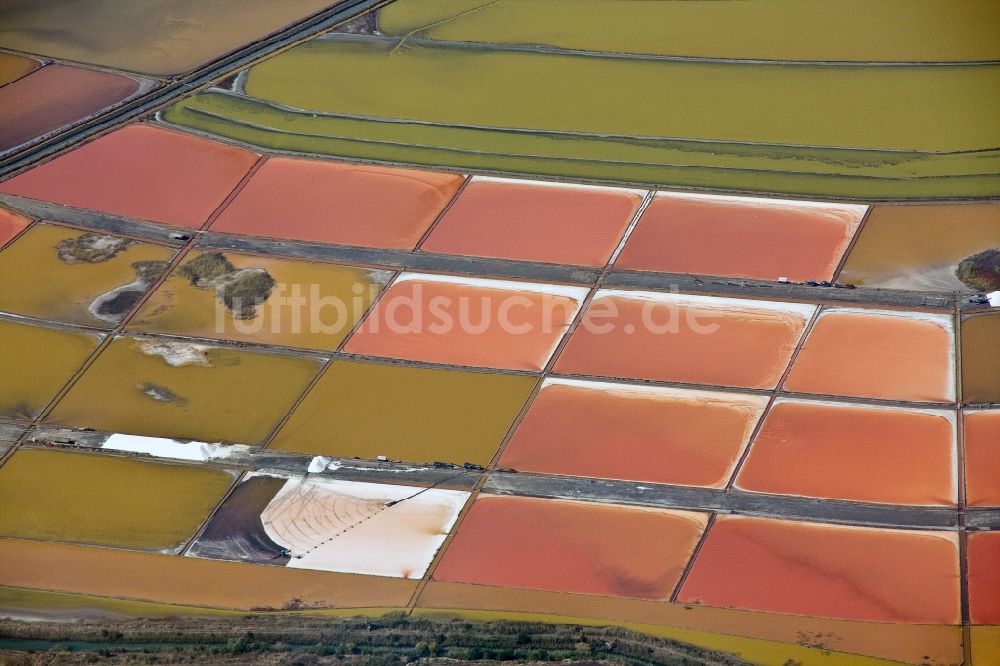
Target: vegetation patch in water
[
  {"x": 981, "y": 271},
  {"x": 90, "y": 248},
  {"x": 239, "y": 290}
]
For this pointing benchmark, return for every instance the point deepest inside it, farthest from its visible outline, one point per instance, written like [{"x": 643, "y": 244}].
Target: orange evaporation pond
[
  {"x": 741, "y": 237},
  {"x": 868, "y": 454},
  {"x": 640, "y": 433},
  {"x": 683, "y": 338},
  {"x": 854, "y": 573},
  {"x": 877, "y": 355},
  {"x": 143, "y": 172},
  {"x": 568, "y": 546},
  {"x": 984, "y": 577},
  {"x": 343, "y": 204},
  {"x": 55, "y": 96},
  {"x": 982, "y": 458},
  {"x": 11, "y": 224},
  {"x": 548, "y": 222},
  {"x": 468, "y": 321}
]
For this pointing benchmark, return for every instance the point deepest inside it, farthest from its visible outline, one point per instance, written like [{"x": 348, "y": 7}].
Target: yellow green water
[
  {"x": 68, "y": 288},
  {"x": 854, "y": 132},
  {"x": 406, "y": 413},
  {"x": 220, "y": 395},
  {"x": 105, "y": 500},
  {"x": 805, "y": 171},
  {"x": 833, "y": 30},
  {"x": 35, "y": 362},
  {"x": 312, "y": 305},
  {"x": 903, "y": 108}
]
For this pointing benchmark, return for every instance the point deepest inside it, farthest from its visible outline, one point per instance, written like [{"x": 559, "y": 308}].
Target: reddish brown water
[
  {"x": 876, "y": 355},
  {"x": 982, "y": 458},
  {"x": 619, "y": 431},
  {"x": 981, "y": 358},
  {"x": 854, "y": 573},
  {"x": 462, "y": 322},
  {"x": 740, "y": 237},
  {"x": 344, "y": 204},
  {"x": 848, "y": 452},
  {"x": 54, "y": 96},
  {"x": 140, "y": 171},
  {"x": 11, "y": 224},
  {"x": 535, "y": 222},
  {"x": 724, "y": 342},
  {"x": 984, "y": 577},
  {"x": 571, "y": 547}
]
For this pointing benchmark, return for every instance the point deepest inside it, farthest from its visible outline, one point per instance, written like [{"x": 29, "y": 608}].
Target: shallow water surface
[
  {"x": 741, "y": 237},
  {"x": 91, "y": 278},
  {"x": 981, "y": 358},
  {"x": 37, "y": 361},
  {"x": 682, "y": 338},
  {"x": 168, "y": 37},
  {"x": 406, "y": 413},
  {"x": 568, "y": 546},
  {"x": 140, "y": 171},
  {"x": 856, "y": 573},
  {"x": 982, "y": 458},
  {"x": 162, "y": 388},
  {"x": 468, "y": 321},
  {"x": 54, "y": 97},
  {"x": 843, "y": 30},
  {"x": 623, "y": 431},
  {"x": 854, "y": 452},
  {"x": 877, "y": 354},
  {"x": 308, "y": 304},
  {"x": 106, "y": 500},
  {"x": 535, "y": 221},
  {"x": 343, "y": 204},
  {"x": 920, "y": 246}
]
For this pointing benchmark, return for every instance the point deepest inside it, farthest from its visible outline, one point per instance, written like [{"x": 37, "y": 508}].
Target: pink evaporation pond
[
  {"x": 143, "y": 172},
  {"x": 534, "y": 221},
  {"x": 685, "y": 338},
  {"x": 835, "y": 571},
  {"x": 638, "y": 433},
  {"x": 54, "y": 96},
  {"x": 853, "y": 452},
  {"x": 984, "y": 577},
  {"x": 741, "y": 237},
  {"x": 877, "y": 354},
  {"x": 341, "y": 204},
  {"x": 982, "y": 458},
  {"x": 468, "y": 321},
  {"x": 565, "y": 546},
  {"x": 11, "y": 224}
]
